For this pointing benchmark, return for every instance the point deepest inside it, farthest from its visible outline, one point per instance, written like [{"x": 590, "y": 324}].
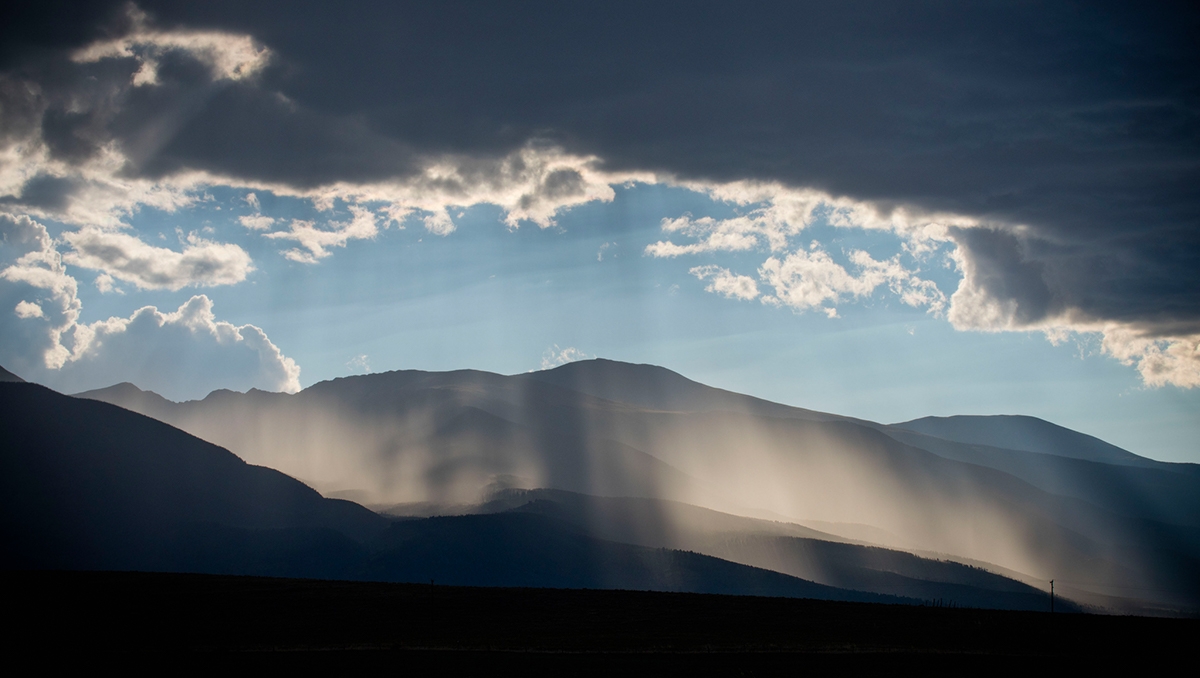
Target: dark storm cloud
[
  {"x": 1003, "y": 267},
  {"x": 40, "y": 27},
  {"x": 1080, "y": 121},
  {"x": 242, "y": 131}
]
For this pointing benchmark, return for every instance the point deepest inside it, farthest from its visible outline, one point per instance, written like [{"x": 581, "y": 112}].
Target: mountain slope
[
  {"x": 452, "y": 438},
  {"x": 416, "y": 436},
  {"x": 528, "y": 549},
  {"x": 1159, "y": 491},
  {"x": 87, "y": 485},
  {"x": 657, "y": 388},
  {"x": 781, "y": 547},
  {"x": 84, "y": 484},
  {"x": 1028, "y": 434}
]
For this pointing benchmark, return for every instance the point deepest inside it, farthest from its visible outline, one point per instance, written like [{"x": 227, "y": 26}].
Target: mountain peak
[
  {"x": 659, "y": 388},
  {"x": 1022, "y": 432},
  {"x": 124, "y": 388},
  {"x": 5, "y": 375},
  {"x": 637, "y": 384},
  {"x": 130, "y": 397}
]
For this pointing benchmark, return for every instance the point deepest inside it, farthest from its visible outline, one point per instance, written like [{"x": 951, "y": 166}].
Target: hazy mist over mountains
[{"x": 595, "y": 454}]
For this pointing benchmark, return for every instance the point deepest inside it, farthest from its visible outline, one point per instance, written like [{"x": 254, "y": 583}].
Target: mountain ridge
[
  {"x": 1023, "y": 433},
  {"x": 445, "y": 439},
  {"x": 87, "y": 485},
  {"x": 6, "y": 376}
]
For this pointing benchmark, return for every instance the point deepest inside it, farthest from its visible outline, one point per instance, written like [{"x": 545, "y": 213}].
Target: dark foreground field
[{"x": 186, "y": 623}]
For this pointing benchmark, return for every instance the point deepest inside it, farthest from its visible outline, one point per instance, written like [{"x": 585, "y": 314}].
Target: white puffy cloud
[
  {"x": 256, "y": 222},
  {"x": 202, "y": 263},
  {"x": 360, "y": 363},
  {"x": 802, "y": 279},
  {"x": 439, "y": 222},
  {"x": 904, "y": 283},
  {"x": 28, "y": 309},
  {"x": 38, "y": 303},
  {"x": 781, "y": 212},
  {"x": 713, "y": 235},
  {"x": 1161, "y": 361},
  {"x": 180, "y": 354},
  {"x": 363, "y": 225},
  {"x": 810, "y": 280},
  {"x": 555, "y": 356},
  {"x": 725, "y": 283},
  {"x": 105, "y": 283}
]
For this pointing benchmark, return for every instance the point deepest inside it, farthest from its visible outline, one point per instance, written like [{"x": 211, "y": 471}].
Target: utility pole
[{"x": 1051, "y": 596}]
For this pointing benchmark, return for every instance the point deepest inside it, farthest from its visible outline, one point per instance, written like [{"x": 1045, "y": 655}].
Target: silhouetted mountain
[
  {"x": 6, "y": 376},
  {"x": 658, "y": 388},
  {"x": 1028, "y": 434},
  {"x": 611, "y": 429},
  {"x": 417, "y": 436},
  {"x": 1160, "y": 491},
  {"x": 86, "y": 485},
  {"x": 528, "y": 549},
  {"x": 133, "y": 398},
  {"x": 780, "y": 547}
]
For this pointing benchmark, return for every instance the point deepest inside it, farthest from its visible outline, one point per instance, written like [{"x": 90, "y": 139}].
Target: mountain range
[{"x": 596, "y": 474}]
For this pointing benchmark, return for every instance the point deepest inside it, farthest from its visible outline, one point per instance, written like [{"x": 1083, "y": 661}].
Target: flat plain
[{"x": 187, "y": 622}]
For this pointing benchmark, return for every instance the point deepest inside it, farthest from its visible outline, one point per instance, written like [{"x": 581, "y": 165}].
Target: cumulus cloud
[
  {"x": 105, "y": 283},
  {"x": 315, "y": 242},
  {"x": 714, "y": 235},
  {"x": 904, "y": 283},
  {"x": 179, "y": 354},
  {"x": 779, "y": 213},
  {"x": 182, "y": 353},
  {"x": 256, "y": 222},
  {"x": 39, "y": 306},
  {"x": 202, "y": 263},
  {"x": 361, "y": 363},
  {"x": 555, "y": 356},
  {"x": 804, "y": 279},
  {"x": 1160, "y": 360},
  {"x": 27, "y": 309},
  {"x": 811, "y": 280},
  {"x": 727, "y": 284}
]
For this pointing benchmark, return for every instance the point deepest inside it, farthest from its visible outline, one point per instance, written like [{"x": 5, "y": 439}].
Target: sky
[{"x": 884, "y": 211}]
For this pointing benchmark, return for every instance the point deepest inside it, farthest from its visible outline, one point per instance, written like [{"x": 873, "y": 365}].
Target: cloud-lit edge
[{"x": 535, "y": 184}]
